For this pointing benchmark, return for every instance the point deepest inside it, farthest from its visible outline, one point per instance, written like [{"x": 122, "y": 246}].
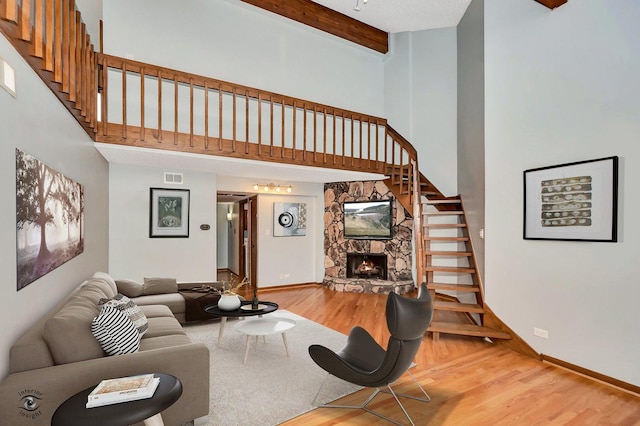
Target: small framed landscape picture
[
  {"x": 169, "y": 213},
  {"x": 572, "y": 202}
]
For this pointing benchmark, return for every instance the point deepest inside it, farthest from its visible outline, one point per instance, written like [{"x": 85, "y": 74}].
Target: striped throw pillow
[
  {"x": 133, "y": 311},
  {"x": 115, "y": 332}
]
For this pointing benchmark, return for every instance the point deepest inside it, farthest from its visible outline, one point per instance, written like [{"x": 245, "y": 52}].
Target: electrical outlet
[
  {"x": 281, "y": 276},
  {"x": 540, "y": 332},
  {"x": 286, "y": 275}
]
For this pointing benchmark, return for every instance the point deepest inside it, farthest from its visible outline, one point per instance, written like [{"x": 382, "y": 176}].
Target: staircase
[{"x": 450, "y": 267}]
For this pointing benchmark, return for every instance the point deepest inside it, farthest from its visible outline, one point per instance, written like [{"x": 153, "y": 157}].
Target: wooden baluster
[
  {"x": 271, "y": 127},
  {"x": 105, "y": 100},
  {"x": 393, "y": 160},
  {"x": 220, "y": 117},
  {"x": 246, "y": 122},
  {"x": 259, "y": 124},
  {"x": 191, "y": 112},
  {"x": 352, "y": 141},
  {"x": 234, "y": 122},
  {"x": 142, "y": 126},
  {"x": 57, "y": 40},
  {"x": 377, "y": 143},
  {"x": 38, "y": 29},
  {"x": 78, "y": 59},
  {"x": 25, "y": 20},
  {"x": 315, "y": 134},
  {"x": 360, "y": 154},
  {"x": 368, "y": 143},
  {"x": 334, "y": 137},
  {"x": 65, "y": 46},
  {"x": 124, "y": 100},
  {"x": 304, "y": 132},
  {"x": 10, "y": 11},
  {"x": 293, "y": 142},
  {"x": 175, "y": 110},
  {"x": 49, "y": 35},
  {"x": 343, "y": 139},
  {"x": 324, "y": 135},
  {"x": 206, "y": 114},
  {"x": 282, "y": 131},
  {"x": 386, "y": 144},
  {"x": 159, "y": 106},
  {"x": 72, "y": 50},
  {"x": 82, "y": 63},
  {"x": 91, "y": 92}
]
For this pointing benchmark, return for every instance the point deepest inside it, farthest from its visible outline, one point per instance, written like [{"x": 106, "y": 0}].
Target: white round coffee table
[{"x": 264, "y": 327}]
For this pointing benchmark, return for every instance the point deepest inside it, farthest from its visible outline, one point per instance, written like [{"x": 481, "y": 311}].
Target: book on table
[{"x": 123, "y": 389}]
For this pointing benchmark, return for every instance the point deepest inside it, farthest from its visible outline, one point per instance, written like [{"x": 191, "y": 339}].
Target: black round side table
[{"x": 73, "y": 412}]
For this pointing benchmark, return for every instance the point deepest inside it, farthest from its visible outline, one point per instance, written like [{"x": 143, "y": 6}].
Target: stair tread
[
  {"x": 457, "y": 307},
  {"x": 448, "y": 253},
  {"x": 444, "y": 213},
  {"x": 467, "y": 270},
  {"x": 455, "y": 287},
  {"x": 467, "y": 330},
  {"x": 443, "y": 201},
  {"x": 447, "y": 238},
  {"x": 446, "y": 225}
]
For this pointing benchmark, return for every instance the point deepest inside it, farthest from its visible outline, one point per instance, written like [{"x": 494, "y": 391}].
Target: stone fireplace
[{"x": 387, "y": 263}]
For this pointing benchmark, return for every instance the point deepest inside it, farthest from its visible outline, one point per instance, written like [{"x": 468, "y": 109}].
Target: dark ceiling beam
[
  {"x": 327, "y": 20},
  {"x": 552, "y": 4}
]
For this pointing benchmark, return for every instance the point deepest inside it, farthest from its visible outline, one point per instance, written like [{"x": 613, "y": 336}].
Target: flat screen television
[{"x": 372, "y": 220}]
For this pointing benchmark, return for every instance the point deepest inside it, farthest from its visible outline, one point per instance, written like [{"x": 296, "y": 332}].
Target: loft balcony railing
[
  {"x": 124, "y": 102},
  {"x": 151, "y": 106}
]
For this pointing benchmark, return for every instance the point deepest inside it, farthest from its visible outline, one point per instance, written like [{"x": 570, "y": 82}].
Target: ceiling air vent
[{"x": 173, "y": 178}]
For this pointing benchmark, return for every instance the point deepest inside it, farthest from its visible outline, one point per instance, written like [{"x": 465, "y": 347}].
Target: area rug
[{"x": 271, "y": 387}]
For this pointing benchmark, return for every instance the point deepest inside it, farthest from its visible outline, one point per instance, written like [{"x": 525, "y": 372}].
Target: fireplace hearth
[{"x": 367, "y": 265}]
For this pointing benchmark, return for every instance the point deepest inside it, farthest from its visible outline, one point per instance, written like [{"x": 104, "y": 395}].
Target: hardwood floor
[{"x": 470, "y": 381}]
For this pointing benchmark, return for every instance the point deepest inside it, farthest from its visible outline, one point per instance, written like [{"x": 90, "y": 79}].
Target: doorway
[{"x": 241, "y": 237}]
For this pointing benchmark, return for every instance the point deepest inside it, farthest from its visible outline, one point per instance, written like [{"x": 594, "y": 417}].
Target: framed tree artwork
[
  {"x": 169, "y": 213},
  {"x": 49, "y": 218},
  {"x": 572, "y": 202}
]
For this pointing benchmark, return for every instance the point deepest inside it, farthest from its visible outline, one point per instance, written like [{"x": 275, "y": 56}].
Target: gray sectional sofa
[{"x": 59, "y": 356}]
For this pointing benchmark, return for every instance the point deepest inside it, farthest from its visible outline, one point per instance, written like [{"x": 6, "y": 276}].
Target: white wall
[
  {"x": 434, "y": 105},
  {"x": 420, "y": 96},
  {"x": 301, "y": 257},
  {"x": 91, "y": 11},
  {"x": 233, "y": 41},
  {"x": 471, "y": 124},
  {"x": 132, "y": 254},
  {"x": 563, "y": 86},
  {"x": 397, "y": 83},
  {"x": 36, "y": 123}
]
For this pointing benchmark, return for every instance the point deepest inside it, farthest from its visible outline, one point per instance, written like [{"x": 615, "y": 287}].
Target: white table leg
[
  {"x": 154, "y": 421},
  {"x": 246, "y": 349},
  {"x": 286, "y": 347},
  {"x": 223, "y": 321}
]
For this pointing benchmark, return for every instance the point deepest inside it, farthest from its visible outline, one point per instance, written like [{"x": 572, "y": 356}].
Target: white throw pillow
[
  {"x": 126, "y": 305},
  {"x": 115, "y": 332}
]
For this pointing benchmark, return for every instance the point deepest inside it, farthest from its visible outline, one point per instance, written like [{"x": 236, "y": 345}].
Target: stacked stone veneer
[{"x": 398, "y": 249}]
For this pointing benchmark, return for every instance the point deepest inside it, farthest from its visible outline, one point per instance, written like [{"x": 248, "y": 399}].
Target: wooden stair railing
[
  {"x": 51, "y": 37},
  {"x": 150, "y": 106}
]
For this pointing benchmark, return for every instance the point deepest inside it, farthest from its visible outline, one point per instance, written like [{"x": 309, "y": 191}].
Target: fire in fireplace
[{"x": 366, "y": 265}]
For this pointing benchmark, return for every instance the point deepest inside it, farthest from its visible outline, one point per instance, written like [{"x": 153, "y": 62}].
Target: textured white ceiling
[{"x": 396, "y": 16}]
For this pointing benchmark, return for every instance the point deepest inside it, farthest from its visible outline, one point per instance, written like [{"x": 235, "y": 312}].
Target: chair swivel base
[{"x": 377, "y": 391}]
